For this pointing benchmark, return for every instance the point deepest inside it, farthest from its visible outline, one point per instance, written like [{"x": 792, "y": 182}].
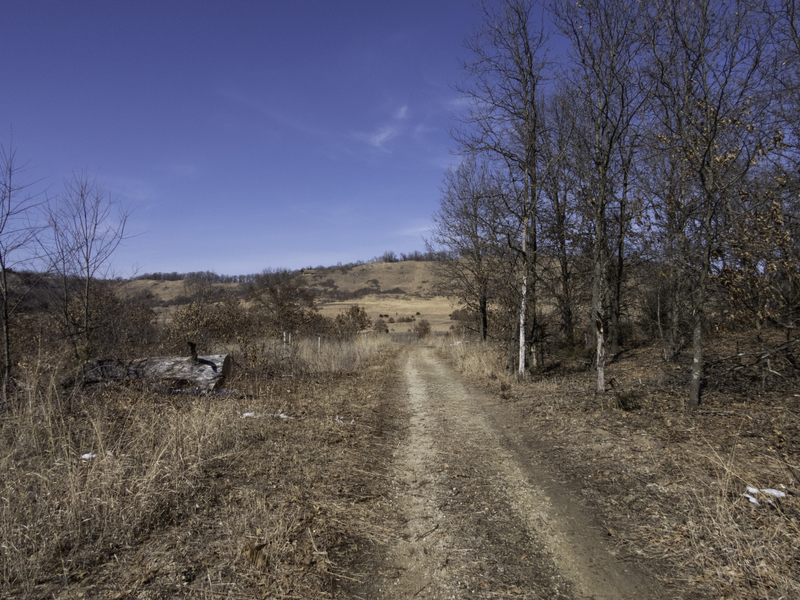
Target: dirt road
[{"x": 480, "y": 515}]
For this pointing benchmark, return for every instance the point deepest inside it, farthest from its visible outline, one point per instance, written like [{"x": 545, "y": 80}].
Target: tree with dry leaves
[{"x": 705, "y": 66}]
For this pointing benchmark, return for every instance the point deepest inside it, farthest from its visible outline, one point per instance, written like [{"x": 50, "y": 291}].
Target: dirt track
[{"x": 480, "y": 515}]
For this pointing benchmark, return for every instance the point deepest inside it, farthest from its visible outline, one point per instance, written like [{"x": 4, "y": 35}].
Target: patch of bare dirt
[
  {"x": 479, "y": 514},
  {"x": 669, "y": 486}
]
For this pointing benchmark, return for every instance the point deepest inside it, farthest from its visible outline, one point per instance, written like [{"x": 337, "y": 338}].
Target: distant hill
[
  {"x": 414, "y": 278},
  {"x": 394, "y": 289}
]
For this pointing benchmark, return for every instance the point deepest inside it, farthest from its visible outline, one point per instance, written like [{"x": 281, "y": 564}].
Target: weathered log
[{"x": 207, "y": 372}]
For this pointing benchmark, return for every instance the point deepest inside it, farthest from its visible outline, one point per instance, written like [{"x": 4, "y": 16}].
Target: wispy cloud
[
  {"x": 129, "y": 188},
  {"x": 379, "y": 137},
  {"x": 386, "y": 132},
  {"x": 416, "y": 228}
]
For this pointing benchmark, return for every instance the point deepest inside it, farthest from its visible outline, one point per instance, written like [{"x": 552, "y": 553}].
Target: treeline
[
  {"x": 391, "y": 257},
  {"x": 651, "y": 169},
  {"x": 203, "y": 276},
  {"x": 212, "y": 277}
]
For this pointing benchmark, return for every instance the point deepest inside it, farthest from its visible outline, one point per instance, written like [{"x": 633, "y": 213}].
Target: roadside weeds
[{"x": 671, "y": 484}]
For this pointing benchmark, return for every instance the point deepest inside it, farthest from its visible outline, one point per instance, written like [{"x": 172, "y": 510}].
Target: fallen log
[{"x": 206, "y": 372}]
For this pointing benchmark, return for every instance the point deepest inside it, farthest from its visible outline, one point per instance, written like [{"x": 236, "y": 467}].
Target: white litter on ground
[
  {"x": 89, "y": 455},
  {"x": 258, "y": 416},
  {"x": 768, "y": 491}
]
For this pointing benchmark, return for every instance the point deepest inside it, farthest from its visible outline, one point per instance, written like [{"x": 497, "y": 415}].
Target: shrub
[
  {"x": 422, "y": 329},
  {"x": 380, "y": 326},
  {"x": 352, "y": 321}
]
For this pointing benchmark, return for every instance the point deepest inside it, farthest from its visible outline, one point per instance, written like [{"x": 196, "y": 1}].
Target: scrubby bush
[
  {"x": 380, "y": 326},
  {"x": 350, "y": 322},
  {"x": 422, "y": 329}
]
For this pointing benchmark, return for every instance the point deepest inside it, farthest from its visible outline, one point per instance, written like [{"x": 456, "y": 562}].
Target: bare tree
[
  {"x": 606, "y": 49},
  {"x": 17, "y": 238},
  {"x": 86, "y": 227},
  {"x": 282, "y": 301},
  {"x": 465, "y": 226},
  {"x": 668, "y": 211},
  {"x": 505, "y": 89},
  {"x": 559, "y": 212}
]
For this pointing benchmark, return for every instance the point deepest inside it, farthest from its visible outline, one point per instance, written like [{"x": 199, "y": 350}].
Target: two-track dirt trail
[{"x": 478, "y": 517}]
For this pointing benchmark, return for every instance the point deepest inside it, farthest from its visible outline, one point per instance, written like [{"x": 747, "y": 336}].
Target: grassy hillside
[
  {"x": 414, "y": 278},
  {"x": 401, "y": 289}
]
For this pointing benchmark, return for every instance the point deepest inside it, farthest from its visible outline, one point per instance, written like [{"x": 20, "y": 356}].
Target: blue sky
[{"x": 242, "y": 134}]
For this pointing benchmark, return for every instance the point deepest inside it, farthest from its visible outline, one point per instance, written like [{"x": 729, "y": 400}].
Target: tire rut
[{"x": 476, "y": 520}]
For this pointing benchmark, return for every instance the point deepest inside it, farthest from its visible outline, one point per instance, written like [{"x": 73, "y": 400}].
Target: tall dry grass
[
  {"x": 314, "y": 356},
  {"x": 86, "y": 479},
  {"x": 84, "y": 473},
  {"x": 482, "y": 360},
  {"x": 749, "y": 550}
]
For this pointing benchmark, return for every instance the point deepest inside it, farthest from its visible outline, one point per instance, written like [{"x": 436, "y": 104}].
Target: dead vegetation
[
  {"x": 277, "y": 486},
  {"x": 674, "y": 484},
  {"x": 266, "y": 489}
]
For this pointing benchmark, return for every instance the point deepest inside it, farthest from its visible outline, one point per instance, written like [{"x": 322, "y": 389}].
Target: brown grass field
[
  {"x": 278, "y": 487},
  {"x": 415, "y": 278}
]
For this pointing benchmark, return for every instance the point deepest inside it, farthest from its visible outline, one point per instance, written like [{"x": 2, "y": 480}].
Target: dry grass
[
  {"x": 670, "y": 482},
  {"x": 414, "y": 277},
  {"x": 117, "y": 489},
  {"x": 435, "y": 310},
  {"x": 742, "y": 549},
  {"x": 481, "y": 360}
]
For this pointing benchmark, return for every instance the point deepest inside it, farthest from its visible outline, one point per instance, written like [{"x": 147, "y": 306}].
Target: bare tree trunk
[
  {"x": 616, "y": 300},
  {"x": 6, "y": 346},
  {"x": 523, "y": 308},
  {"x": 484, "y": 316},
  {"x": 597, "y": 323},
  {"x": 512, "y": 353},
  {"x": 697, "y": 359},
  {"x": 599, "y": 288},
  {"x": 699, "y": 305},
  {"x": 601, "y": 356}
]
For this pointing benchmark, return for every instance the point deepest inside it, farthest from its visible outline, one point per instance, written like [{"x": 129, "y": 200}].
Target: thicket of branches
[{"x": 648, "y": 175}]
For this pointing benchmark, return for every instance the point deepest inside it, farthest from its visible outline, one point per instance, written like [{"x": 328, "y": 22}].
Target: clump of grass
[
  {"x": 481, "y": 360},
  {"x": 332, "y": 355},
  {"x": 747, "y": 550}
]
